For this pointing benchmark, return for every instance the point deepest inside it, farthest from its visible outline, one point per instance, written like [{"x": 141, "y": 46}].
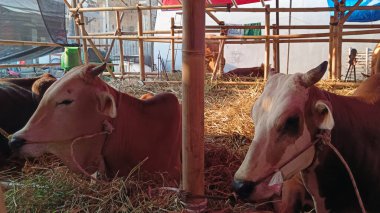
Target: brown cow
[
  {"x": 19, "y": 99},
  {"x": 289, "y": 116},
  {"x": 246, "y": 72},
  {"x": 81, "y": 104}
]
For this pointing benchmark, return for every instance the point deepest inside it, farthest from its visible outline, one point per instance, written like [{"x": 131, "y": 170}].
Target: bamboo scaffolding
[
  {"x": 172, "y": 43},
  {"x": 267, "y": 43},
  {"x": 118, "y": 26},
  {"x": 141, "y": 44},
  {"x": 29, "y": 65},
  {"x": 309, "y": 35},
  {"x": 82, "y": 29},
  {"x": 222, "y": 8},
  {"x": 193, "y": 54},
  {"x": 28, "y": 43}
]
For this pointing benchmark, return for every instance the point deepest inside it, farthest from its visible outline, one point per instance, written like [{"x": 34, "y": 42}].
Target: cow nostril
[
  {"x": 15, "y": 143},
  {"x": 243, "y": 188}
]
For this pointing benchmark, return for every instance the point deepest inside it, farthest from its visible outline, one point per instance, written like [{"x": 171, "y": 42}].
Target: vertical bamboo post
[
  {"x": 118, "y": 24},
  {"x": 172, "y": 43},
  {"x": 82, "y": 29},
  {"x": 338, "y": 47},
  {"x": 193, "y": 54},
  {"x": 276, "y": 45},
  {"x": 76, "y": 28},
  {"x": 331, "y": 45},
  {"x": 221, "y": 62},
  {"x": 334, "y": 49},
  {"x": 141, "y": 44},
  {"x": 267, "y": 43}
]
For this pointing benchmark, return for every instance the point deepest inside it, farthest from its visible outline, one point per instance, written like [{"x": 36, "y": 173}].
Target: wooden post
[
  {"x": 76, "y": 28},
  {"x": 267, "y": 42},
  {"x": 118, "y": 24},
  {"x": 222, "y": 61},
  {"x": 276, "y": 46},
  {"x": 218, "y": 59},
  {"x": 193, "y": 54},
  {"x": 172, "y": 43},
  {"x": 141, "y": 44},
  {"x": 338, "y": 47},
  {"x": 331, "y": 45},
  {"x": 82, "y": 29}
]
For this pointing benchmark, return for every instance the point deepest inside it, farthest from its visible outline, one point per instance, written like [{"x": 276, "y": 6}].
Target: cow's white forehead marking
[{"x": 266, "y": 104}]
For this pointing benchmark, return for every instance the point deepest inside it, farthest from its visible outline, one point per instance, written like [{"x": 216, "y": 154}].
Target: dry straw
[{"x": 46, "y": 185}]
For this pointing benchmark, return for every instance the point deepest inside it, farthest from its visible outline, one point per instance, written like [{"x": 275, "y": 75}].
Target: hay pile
[{"x": 46, "y": 185}]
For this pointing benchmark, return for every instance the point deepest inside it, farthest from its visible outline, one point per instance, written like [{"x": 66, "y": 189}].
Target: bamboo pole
[
  {"x": 215, "y": 8},
  {"x": 29, "y": 65},
  {"x": 118, "y": 25},
  {"x": 141, "y": 44},
  {"x": 338, "y": 48},
  {"x": 334, "y": 42},
  {"x": 172, "y": 43},
  {"x": 193, "y": 103},
  {"x": 76, "y": 29},
  {"x": 276, "y": 50},
  {"x": 81, "y": 23},
  {"x": 267, "y": 43},
  {"x": 211, "y": 37},
  {"x": 217, "y": 62},
  {"x": 221, "y": 53},
  {"x": 331, "y": 44},
  {"x": 28, "y": 43}
]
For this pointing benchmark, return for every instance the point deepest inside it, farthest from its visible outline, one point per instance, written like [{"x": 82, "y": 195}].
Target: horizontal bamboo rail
[
  {"x": 29, "y": 65},
  {"x": 209, "y": 37},
  {"x": 222, "y": 9},
  {"x": 28, "y": 43}
]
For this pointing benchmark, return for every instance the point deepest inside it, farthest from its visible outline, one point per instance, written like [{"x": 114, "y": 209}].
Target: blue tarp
[{"x": 361, "y": 15}]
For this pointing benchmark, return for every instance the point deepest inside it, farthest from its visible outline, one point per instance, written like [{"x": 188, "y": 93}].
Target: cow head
[
  {"x": 74, "y": 106},
  {"x": 286, "y": 121}
]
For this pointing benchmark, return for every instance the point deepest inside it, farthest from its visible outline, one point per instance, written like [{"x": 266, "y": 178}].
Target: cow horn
[
  {"x": 314, "y": 75},
  {"x": 99, "y": 69}
]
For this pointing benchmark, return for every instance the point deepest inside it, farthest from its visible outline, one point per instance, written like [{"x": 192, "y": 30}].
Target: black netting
[
  {"x": 22, "y": 20},
  {"x": 53, "y": 14}
]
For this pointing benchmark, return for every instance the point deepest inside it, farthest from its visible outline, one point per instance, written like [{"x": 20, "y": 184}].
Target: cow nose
[
  {"x": 15, "y": 143},
  {"x": 243, "y": 188}
]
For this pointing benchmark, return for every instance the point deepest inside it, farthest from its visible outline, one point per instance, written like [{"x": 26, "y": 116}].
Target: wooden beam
[
  {"x": 217, "y": 62},
  {"x": 141, "y": 44},
  {"x": 267, "y": 44},
  {"x": 121, "y": 48},
  {"x": 28, "y": 43},
  {"x": 172, "y": 43},
  {"x": 193, "y": 54},
  {"x": 81, "y": 23},
  {"x": 217, "y": 8},
  {"x": 29, "y": 65}
]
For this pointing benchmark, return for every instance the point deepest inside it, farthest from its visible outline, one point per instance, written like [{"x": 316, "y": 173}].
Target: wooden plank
[{"x": 141, "y": 45}]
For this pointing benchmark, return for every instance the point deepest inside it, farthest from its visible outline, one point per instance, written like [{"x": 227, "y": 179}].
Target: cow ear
[
  {"x": 272, "y": 72},
  {"x": 106, "y": 104},
  {"x": 325, "y": 119}
]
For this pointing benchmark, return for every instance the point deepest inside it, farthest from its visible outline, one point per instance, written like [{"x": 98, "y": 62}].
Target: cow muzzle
[
  {"x": 243, "y": 189},
  {"x": 15, "y": 143}
]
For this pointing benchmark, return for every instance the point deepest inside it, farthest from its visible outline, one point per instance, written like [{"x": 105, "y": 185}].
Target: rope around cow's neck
[{"x": 107, "y": 129}]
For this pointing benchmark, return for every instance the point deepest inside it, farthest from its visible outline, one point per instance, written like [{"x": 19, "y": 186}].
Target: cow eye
[
  {"x": 291, "y": 125},
  {"x": 65, "y": 102}
]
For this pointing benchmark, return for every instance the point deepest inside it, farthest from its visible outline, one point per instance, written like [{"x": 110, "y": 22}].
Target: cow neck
[
  {"x": 356, "y": 136},
  {"x": 351, "y": 120}
]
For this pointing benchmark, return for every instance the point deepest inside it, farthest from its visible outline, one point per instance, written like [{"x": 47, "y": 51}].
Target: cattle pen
[{"x": 216, "y": 124}]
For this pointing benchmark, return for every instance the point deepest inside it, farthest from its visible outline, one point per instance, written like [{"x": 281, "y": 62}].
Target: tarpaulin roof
[
  {"x": 361, "y": 15},
  {"x": 31, "y": 20},
  {"x": 176, "y": 2}
]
